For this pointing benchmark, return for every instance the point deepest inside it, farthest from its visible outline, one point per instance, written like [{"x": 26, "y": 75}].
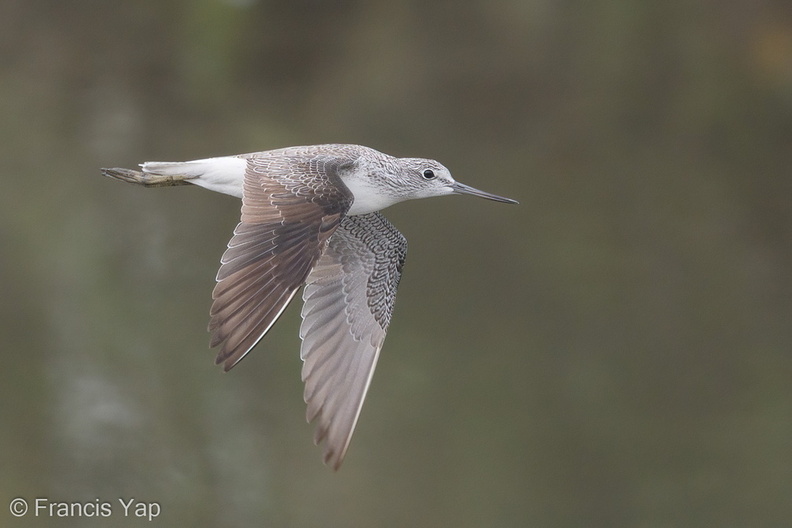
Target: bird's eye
[{"x": 428, "y": 174}]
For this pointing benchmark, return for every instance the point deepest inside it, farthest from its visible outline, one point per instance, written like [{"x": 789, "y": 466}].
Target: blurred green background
[{"x": 615, "y": 351}]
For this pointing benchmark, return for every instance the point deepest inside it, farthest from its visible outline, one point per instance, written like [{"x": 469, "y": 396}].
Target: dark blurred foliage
[{"x": 615, "y": 351}]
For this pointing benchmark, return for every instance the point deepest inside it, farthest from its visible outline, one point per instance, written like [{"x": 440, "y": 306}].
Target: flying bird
[{"x": 310, "y": 218}]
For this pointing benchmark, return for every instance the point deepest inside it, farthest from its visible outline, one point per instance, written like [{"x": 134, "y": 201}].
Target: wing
[
  {"x": 349, "y": 300},
  {"x": 290, "y": 207}
]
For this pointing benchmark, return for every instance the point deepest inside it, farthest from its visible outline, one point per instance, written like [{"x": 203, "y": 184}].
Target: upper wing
[
  {"x": 349, "y": 299},
  {"x": 290, "y": 207}
]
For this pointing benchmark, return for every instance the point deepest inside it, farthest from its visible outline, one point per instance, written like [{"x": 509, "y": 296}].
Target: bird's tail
[
  {"x": 154, "y": 174},
  {"x": 225, "y": 174}
]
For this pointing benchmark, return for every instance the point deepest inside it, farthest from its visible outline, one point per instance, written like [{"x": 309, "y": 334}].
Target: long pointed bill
[{"x": 461, "y": 188}]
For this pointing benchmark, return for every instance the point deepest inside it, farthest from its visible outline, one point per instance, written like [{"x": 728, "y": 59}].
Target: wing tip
[
  {"x": 333, "y": 451},
  {"x": 332, "y": 460},
  {"x": 229, "y": 359}
]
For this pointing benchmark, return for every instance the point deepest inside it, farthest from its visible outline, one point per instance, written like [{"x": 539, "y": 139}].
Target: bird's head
[{"x": 427, "y": 178}]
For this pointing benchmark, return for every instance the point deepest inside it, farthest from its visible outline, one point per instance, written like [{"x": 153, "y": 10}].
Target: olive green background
[{"x": 614, "y": 351}]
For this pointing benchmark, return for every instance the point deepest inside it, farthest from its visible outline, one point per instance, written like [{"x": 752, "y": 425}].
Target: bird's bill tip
[{"x": 461, "y": 188}]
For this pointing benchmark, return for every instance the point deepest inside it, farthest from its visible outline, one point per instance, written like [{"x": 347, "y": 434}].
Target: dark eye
[{"x": 429, "y": 174}]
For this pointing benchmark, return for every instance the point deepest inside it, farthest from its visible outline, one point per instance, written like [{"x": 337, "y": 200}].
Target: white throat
[{"x": 369, "y": 197}]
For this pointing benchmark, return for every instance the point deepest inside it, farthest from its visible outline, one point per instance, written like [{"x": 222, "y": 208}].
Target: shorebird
[{"x": 309, "y": 217}]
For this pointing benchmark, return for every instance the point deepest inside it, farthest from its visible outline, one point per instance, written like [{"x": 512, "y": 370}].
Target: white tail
[{"x": 224, "y": 175}]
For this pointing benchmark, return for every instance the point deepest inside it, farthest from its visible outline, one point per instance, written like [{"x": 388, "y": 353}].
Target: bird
[{"x": 310, "y": 218}]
